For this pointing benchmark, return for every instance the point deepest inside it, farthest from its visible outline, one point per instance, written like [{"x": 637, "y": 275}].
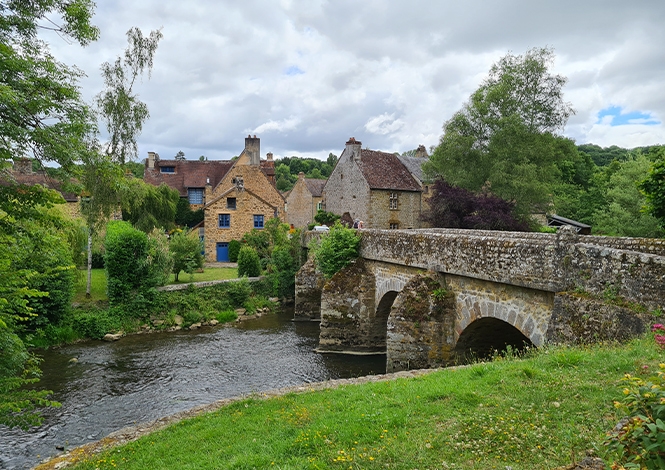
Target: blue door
[{"x": 222, "y": 252}]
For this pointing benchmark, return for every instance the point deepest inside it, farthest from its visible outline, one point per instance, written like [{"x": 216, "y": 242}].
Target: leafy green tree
[
  {"x": 118, "y": 105},
  {"x": 326, "y": 218},
  {"x": 41, "y": 110},
  {"x": 623, "y": 214},
  {"x": 186, "y": 252},
  {"x": 147, "y": 206},
  {"x": 234, "y": 249},
  {"x": 653, "y": 187},
  {"x": 504, "y": 138},
  {"x": 185, "y": 216},
  {"x": 249, "y": 263},
  {"x": 336, "y": 249}
]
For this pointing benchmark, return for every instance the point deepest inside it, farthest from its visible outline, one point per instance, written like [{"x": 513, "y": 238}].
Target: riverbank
[{"x": 544, "y": 411}]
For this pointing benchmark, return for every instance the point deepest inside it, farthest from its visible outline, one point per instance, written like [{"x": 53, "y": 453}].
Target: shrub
[
  {"x": 238, "y": 292},
  {"x": 186, "y": 252},
  {"x": 336, "y": 249},
  {"x": 326, "y": 218},
  {"x": 284, "y": 268},
  {"x": 249, "y": 263},
  {"x": 94, "y": 323},
  {"x": 234, "y": 249},
  {"x": 226, "y": 316}
]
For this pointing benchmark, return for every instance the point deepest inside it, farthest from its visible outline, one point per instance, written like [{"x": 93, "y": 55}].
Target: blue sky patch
[
  {"x": 293, "y": 70},
  {"x": 614, "y": 116}
]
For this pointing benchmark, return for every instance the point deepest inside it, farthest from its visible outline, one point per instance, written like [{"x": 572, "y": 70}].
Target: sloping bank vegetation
[{"x": 548, "y": 409}]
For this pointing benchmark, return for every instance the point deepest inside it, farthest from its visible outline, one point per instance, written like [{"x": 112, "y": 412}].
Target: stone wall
[
  {"x": 347, "y": 190},
  {"x": 406, "y": 216},
  {"x": 300, "y": 206},
  {"x": 309, "y": 286}
]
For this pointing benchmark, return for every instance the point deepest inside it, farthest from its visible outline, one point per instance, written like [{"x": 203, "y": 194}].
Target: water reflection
[{"x": 144, "y": 377}]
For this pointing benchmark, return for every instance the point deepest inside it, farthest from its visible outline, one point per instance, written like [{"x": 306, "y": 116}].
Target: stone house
[
  {"x": 304, "y": 200},
  {"x": 22, "y": 173},
  {"x": 375, "y": 187},
  {"x": 236, "y": 195},
  {"x": 245, "y": 198}
]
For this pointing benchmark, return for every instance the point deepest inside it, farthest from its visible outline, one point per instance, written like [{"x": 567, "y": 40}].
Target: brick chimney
[
  {"x": 353, "y": 147},
  {"x": 253, "y": 149},
  {"x": 23, "y": 166}
]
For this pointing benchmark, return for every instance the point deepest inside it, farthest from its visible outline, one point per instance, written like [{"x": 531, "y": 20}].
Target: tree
[
  {"x": 336, "y": 249},
  {"x": 504, "y": 138},
  {"x": 249, "y": 263},
  {"x": 41, "y": 111},
  {"x": 148, "y": 207},
  {"x": 180, "y": 155},
  {"x": 117, "y": 105},
  {"x": 454, "y": 207},
  {"x": 653, "y": 187},
  {"x": 186, "y": 252}
]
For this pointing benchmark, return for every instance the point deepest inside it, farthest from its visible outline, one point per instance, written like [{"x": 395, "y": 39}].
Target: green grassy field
[
  {"x": 98, "y": 287},
  {"x": 539, "y": 412}
]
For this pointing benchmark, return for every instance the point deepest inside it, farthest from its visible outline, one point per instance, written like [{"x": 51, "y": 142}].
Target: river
[{"x": 144, "y": 377}]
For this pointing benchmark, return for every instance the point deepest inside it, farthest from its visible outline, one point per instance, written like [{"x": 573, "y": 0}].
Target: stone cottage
[
  {"x": 375, "y": 187},
  {"x": 245, "y": 198},
  {"x": 304, "y": 200},
  {"x": 236, "y": 195}
]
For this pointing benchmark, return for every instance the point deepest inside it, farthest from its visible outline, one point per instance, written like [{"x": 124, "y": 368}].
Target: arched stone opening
[
  {"x": 485, "y": 336},
  {"x": 380, "y": 323}
]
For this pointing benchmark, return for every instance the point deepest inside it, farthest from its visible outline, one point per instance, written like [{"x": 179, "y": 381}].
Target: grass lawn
[
  {"x": 539, "y": 412},
  {"x": 98, "y": 288}
]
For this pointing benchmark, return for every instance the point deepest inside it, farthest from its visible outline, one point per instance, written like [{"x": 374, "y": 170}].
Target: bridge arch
[{"x": 484, "y": 336}]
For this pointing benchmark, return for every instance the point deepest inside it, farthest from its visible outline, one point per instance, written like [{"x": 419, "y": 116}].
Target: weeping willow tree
[{"x": 148, "y": 207}]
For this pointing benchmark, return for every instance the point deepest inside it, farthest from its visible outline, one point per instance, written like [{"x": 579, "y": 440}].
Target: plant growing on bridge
[{"x": 336, "y": 249}]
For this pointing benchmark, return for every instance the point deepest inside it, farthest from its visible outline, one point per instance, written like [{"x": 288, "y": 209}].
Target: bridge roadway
[{"x": 427, "y": 297}]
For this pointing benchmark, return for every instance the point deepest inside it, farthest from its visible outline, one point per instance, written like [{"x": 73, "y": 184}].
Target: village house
[
  {"x": 304, "y": 200},
  {"x": 236, "y": 195},
  {"x": 375, "y": 187},
  {"x": 23, "y": 173}
]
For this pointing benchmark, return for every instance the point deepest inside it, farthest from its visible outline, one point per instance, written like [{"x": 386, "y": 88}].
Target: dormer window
[
  {"x": 167, "y": 169},
  {"x": 195, "y": 195}
]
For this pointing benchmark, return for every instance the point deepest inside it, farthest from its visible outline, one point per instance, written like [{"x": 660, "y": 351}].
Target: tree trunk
[{"x": 89, "y": 282}]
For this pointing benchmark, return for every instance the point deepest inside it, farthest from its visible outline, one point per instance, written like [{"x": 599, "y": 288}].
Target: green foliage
[
  {"x": 259, "y": 241},
  {"x": 95, "y": 322},
  {"x": 185, "y": 216},
  {"x": 118, "y": 105},
  {"x": 234, "y": 249},
  {"x": 134, "y": 265},
  {"x": 653, "y": 188},
  {"x": 640, "y": 440},
  {"x": 186, "y": 253},
  {"x": 336, "y": 250},
  {"x": 326, "y": 218},
  {"x": 249, "y": 263},
  {"x": 504, "y": 137},
  {"x": 623, "y": 214},
  {"x": 148, "y": 207},
  {"x": 284, "y": 267},
  {"x": 288, "y": 168}
]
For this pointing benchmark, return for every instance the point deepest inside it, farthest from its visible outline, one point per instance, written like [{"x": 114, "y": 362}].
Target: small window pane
[
  {"x": 167, "y": 169},
  {"x": 224, "y": 221},
  {"x": 258, "y": 221},
  {"x": 230, "y": 203},
  {"x": 195, "y": 195}
]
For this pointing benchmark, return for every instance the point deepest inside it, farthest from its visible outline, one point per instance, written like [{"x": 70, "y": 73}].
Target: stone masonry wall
[
  {"x": 309, "y": 286},
  {"x": 406, "y": 216},
  {"x": 347, "y": 190},
  {"x": 299, "y": 205}
]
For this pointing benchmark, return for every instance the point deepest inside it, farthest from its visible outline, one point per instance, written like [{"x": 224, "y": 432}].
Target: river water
[{"x": 144, "y": 377}]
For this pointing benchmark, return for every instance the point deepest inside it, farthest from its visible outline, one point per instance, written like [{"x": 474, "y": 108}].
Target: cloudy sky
[{"x": 305, "y": 75}]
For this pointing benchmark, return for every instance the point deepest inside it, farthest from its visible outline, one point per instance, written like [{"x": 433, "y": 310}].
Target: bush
[
  {"x": 226, "y": 316},
  {"x": 234, "y": 249},
  {"x": 238, "y": 292},
  {"x": 186, "y": 253},
  {"x": 94, "y": 323},
  {"x": 336, "y": 249},
  {"x": 249, "y": 263},
  {"x": 284, "y": 268}
]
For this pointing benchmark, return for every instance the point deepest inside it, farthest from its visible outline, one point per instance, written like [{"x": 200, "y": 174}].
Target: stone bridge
[{"x": 430, "y": 297}]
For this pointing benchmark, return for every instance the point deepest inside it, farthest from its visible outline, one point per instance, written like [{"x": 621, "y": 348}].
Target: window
[
  {"x": 167, "y": 169},
  {"x": 224, "y": 221},
  {"x": 231, "y": 203},
  {"x": 393, "y": 201},
  {"x": 319, "y": 206},
  {"x": 394, "y": 226},
  {"x": 195, "y": 195},
  {"x": 258, "y": 221}
]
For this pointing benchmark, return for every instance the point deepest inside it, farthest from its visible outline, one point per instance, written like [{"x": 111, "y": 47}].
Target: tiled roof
[
  {"x": 385, "y": 171},
  {"x": 187, "y": 173},
  {"x": 315, "y": 186},
  {"x": 32, "y": 179}
]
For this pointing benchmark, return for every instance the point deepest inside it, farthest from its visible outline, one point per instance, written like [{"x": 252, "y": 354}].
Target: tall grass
[{"x": 538, "y": 412}]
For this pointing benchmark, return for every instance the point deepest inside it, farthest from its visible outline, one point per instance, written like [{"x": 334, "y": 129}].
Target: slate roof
[
  {"x": 385, "y": 171},
  {"x": 414, "y": 165},
  {"x": 315, "y": 186},
  {"x": 187, "y": 173}
]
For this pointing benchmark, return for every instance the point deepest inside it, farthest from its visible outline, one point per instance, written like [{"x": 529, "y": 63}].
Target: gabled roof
[
  {"x": 315, "y": 186},
  {"x": 385, "y": 171},
  {"x": 32, "y": 178},
  {"x": 187, "y": 173},
  {"x": 414, "y": 165}
]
